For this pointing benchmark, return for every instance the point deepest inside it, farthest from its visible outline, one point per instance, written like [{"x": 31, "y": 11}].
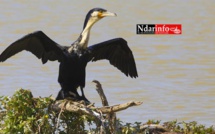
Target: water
[{"x": 176, "y": 72}]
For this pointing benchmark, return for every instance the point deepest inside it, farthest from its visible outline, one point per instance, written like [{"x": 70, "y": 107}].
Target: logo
[{"x": 159, "y": 29}]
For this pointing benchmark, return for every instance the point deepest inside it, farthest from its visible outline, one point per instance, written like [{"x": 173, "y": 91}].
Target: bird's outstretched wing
[
  {"x": 118, "y": 53},
  {"x": 37, "y": 43}
]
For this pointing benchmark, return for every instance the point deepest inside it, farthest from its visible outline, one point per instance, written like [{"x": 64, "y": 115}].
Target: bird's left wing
[
  {"x": 37, "y": 43},
  {"x": 118, "y": 53}
]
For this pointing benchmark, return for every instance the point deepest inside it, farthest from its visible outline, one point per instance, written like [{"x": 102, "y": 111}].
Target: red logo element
[{"x": 168, "y": 29}]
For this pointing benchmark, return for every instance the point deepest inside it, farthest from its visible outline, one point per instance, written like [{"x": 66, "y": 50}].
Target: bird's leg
[
  {"x": 68, "y": 94},
  {"x": 83, "y": 96},
  {"x": 60, "y": 95},
  {"x": 74, "y": 94}
]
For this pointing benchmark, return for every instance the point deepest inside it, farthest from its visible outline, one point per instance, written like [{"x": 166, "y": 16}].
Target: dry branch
[
  {"x": 100, "y": 91},
  {"x": 96, "y": 112},
  {"x": 77, "y": 107},
  {"x": 81, "y": 107},
  {"x": 111, "y": 117},
  {"x": 119, "y": 107}
]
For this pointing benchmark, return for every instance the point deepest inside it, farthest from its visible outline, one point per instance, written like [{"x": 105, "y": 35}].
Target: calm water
[{"x": 176, "y": 73}]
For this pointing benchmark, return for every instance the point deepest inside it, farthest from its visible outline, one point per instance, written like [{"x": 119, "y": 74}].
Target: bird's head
[
  {"x": 96, "y": 14},
  {"x": 92, "y": 17}
]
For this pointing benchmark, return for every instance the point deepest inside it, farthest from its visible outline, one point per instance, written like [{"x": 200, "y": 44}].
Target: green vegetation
[
  {"x": 22, "y": 113},
  {"x": 188, "y": 128}
]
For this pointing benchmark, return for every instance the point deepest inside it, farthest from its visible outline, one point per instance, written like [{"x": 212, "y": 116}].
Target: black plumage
[{"x": 73, "y": 60}]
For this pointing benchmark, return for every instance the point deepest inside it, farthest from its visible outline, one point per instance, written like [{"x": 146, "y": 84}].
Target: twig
[
  {"x": 58, "y": 119},
  {"x": 111, "y": 117},
  {"x": 119, "y": 107},
  {"x": 101, "y": 93},
  {"x": 77, "y": 107}
]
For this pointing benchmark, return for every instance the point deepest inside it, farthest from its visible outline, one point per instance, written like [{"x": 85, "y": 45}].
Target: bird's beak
[{"x": 105, "y": 14}]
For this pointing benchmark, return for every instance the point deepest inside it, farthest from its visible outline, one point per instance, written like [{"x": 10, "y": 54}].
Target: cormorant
[{"x": 73, "y": 59}]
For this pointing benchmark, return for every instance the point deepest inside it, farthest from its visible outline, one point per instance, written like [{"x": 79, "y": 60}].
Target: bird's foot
[
  {"x": 83, "y": 98},
  {"x": 78, "y": 99},
  {"x": 72, "y": 96}
]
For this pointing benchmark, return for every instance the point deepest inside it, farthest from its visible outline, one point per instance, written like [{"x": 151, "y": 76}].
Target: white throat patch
[{"x": 86, "y": 32}]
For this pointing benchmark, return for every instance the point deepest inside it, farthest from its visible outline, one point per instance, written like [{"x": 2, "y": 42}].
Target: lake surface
[{"x": 176, "y": 72}]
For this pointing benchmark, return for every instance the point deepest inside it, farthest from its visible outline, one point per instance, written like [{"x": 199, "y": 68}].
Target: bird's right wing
[
  {"x": 37, "y": 43},
  {"x": 118, "y": 53}
]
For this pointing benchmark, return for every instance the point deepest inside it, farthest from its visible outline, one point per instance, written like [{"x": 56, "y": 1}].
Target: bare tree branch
[
  {"x": 96, "y": 112},
  {"x": 100, "y": 91},
  {"x": 119, "y": 107},
  {"x": 77, "y": 107},
  {"x": 111, "y": 117}
]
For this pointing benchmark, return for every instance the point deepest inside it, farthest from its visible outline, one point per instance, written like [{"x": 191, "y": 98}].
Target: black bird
[{"x": 73, "y": 59}]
